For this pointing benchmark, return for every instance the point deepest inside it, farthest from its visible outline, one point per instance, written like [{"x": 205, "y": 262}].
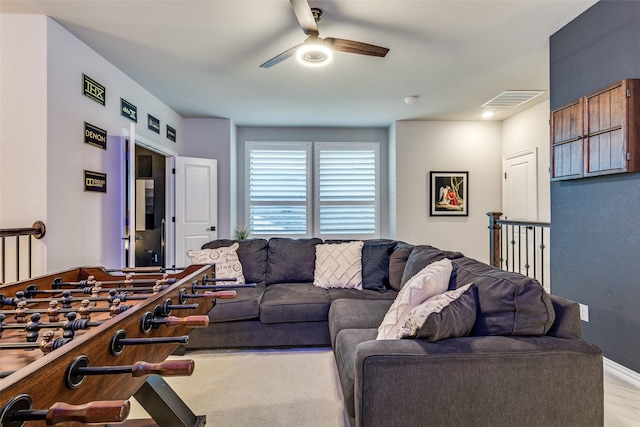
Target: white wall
[
  {"x": 211, "y": 138},
  {"x": 529, "y": 129},
  {"x": 422, "y": 147},
  {"x": 23, "y": 129},
  {"x": 82, "y": 228}
]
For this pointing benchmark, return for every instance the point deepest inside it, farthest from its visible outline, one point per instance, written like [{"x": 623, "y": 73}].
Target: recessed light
[
  {"x": 410, "y": 100},
  {"x": 487, "y": 114}
]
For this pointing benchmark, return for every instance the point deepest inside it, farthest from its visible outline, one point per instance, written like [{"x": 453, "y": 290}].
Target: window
[
  {"x": 346, "y": 189},
  {"x": 341, "y": 201},
  {"x": 278, "y": 188}
]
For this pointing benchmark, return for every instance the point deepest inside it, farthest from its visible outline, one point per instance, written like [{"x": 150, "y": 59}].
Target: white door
[
  {"x": 195, "y": 213},
  {"x": 520, "y": 186}
]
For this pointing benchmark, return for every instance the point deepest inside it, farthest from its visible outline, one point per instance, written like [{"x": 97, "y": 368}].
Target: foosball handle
[
  {"x": 106, "y": 411},
  {"x": 190, "y": 321},
  {"x": 166, "y": 368},
  {"x": 220, "y": 294}
]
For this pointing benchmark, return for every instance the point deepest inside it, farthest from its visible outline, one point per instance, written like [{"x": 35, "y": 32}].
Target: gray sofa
[{"x": 524, "y": 362}]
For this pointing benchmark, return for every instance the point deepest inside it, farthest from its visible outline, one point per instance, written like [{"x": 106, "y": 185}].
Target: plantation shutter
[
  {"x": 278, "y": 189},
  {"x": 347, "y": 187}
]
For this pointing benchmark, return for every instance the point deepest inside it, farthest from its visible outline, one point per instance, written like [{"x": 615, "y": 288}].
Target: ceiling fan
[{"x": 316, "y": 50}]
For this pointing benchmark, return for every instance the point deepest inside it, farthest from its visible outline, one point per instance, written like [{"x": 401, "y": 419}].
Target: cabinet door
[
  {"x": 605, "y": 125},
  {"x": 566, "y": 142}
]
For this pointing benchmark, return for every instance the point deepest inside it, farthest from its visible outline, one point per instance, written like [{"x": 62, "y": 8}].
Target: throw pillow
[
  {"x": 339, "y": 265},
  {"x": 397, "y": 263},
  {"x": 430, "y": 281},
  {"x": 226, "y": 262},
  {"x": 448, "y": 315},
  {"x": 375, "y": 265}
]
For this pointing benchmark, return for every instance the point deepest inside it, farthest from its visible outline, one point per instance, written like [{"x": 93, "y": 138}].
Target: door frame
[{"x": 130, "y": 143}]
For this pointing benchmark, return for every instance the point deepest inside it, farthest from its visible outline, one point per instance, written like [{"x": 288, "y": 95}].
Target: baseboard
[{"x": 622, "y": 372}]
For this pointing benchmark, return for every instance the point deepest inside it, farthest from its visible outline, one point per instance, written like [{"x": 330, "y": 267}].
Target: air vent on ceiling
[{"x": 513, "y": 98}]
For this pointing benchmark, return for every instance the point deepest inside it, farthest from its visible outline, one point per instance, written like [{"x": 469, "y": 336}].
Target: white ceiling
[{"x": 202, "y": 57}]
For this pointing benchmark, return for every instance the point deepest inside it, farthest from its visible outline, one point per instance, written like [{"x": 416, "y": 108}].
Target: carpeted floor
[
  {"x": 266, "y": 388},
  {"x": 300, "y": 387}
]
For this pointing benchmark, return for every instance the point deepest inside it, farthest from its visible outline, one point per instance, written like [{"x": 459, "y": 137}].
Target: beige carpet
[
  {"x": 266, "y": 388},
  {"x": 300, "y": 388}
]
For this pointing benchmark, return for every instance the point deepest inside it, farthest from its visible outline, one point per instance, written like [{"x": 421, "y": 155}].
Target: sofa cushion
[
  {"x": 294, "y": 302},
  {"x": 430, "y": 281},
  {"x": 365, "y": 294},
  {"x": 338, "y": 265},
  {"x": 252, "y": 254},
  {"x": 508, "y": 303},
  {"x": 397, "y": 263},
  {"x": 227, "y": 263},
  {"x": 246, "y": 305},
  {"x": 291, "y": 260},
  {"x": 448, "y": 315},
  {"x": 421, "y": 256},
  {"x": 356, "y": 314}
]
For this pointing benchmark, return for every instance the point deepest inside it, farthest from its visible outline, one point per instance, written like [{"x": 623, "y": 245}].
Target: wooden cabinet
[{"x": 598, "y": 134}]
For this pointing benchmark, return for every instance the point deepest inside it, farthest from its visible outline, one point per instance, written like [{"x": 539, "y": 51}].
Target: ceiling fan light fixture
[{"x": 314, "y": 54}]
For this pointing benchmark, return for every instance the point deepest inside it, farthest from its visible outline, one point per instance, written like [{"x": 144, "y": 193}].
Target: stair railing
[
  {"x": 37, "y": 231},
  {"x": 520, "y": 246}
]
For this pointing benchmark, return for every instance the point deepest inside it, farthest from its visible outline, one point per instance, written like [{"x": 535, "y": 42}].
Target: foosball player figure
[
  {"x": 95, "y": 292},
  {"x": 45, "y": 344},
  {"x": 85, "y": 309},
  {"x": 67, "y": 328},
  {"x": 33, "y": 328},
  {"x": 21, "y": 312},
  {"x": 114, "y": 310},
  {"x": 128, "y": 281},
  {"x": 67, "y": 299},
  {"x": 52, "y": 311},
  {"x": 157, "y": 287},
  {"x": 91, "y": 281}
]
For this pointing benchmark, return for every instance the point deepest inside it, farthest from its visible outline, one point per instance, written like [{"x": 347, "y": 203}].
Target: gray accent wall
[{"x": 595, "y": 233}]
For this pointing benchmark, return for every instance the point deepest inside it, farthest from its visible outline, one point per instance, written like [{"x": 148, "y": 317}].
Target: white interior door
[
  {"x": 520, "y": 186},
  {"x": 195, "y": 213}
]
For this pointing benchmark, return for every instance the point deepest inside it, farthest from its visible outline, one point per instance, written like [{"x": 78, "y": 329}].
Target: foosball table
[{"x": 75, "y": 346}]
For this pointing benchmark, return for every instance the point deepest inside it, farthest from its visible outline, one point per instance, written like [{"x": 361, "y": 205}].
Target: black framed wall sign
[
  {"x": 128, "y": 110},
  {"x": 95, "y": 181},
  {"x": 153, "y": 124},
  {"x": 171, "y": 133},
  {"x": 449, "y": 194},
  {"x": 93, "y": 135},
  {"x": 94, "y": 90}
]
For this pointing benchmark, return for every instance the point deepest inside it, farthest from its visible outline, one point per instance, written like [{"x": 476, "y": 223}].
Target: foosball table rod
[{"x": 18, "y": 410}]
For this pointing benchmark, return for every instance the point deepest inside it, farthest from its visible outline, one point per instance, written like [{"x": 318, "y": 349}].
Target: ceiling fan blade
[
  {"x": 305, "y": 17},
  {"x": 281, "y": 57},
  {"x": 350, "y": 46}
]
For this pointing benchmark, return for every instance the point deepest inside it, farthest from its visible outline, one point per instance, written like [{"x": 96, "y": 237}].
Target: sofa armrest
[
  {"x": 493, "y": 381},
  {"x": 567, "y": 323}
]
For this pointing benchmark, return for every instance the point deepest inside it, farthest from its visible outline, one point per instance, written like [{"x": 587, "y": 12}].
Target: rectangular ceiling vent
[{"x": 513, "y": 98}]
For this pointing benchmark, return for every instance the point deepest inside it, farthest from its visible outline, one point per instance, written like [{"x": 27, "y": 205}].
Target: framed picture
[{"x": 449, "y": 194}]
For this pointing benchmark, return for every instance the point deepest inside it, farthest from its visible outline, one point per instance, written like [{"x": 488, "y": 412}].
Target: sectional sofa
[{"x": 498, "y": 352}]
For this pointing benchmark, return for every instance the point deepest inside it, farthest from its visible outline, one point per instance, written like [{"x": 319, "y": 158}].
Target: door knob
[{"x": 212, "y": 228}]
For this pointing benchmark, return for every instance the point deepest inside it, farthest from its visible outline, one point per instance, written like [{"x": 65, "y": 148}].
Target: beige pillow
[
  {"x": 339, "y": 265},
  {"x": 226, "y": 262},
  {"x": 428, "y": 282}
]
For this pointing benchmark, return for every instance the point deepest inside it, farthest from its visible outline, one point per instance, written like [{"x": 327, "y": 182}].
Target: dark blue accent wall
[{"x": 595, "y": 233}]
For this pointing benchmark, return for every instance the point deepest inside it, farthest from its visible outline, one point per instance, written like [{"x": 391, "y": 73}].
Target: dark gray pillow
[
  {"x": 375, "y": 264},
  {"x": 252, "y": 254},
  {"x": 456, "y": 319},
  {"x": 291, "y": 260},
  {"x": 397, "y": 262},
  {"x": 421, "y": 256}
]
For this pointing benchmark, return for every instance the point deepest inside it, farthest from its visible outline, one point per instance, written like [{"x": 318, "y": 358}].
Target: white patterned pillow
[
  {"x": 448, "y": 315},
  {"x": 225, "y": 259},
  {"x": 428, "y": 282},
  {"x": 339, "y": 265}
]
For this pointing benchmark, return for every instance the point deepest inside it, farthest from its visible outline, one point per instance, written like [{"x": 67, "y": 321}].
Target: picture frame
[{"x": 448, "y": 193}]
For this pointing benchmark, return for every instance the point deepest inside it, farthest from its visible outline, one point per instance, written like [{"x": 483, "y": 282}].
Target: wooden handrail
[{"x": 37, "y": 230}]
